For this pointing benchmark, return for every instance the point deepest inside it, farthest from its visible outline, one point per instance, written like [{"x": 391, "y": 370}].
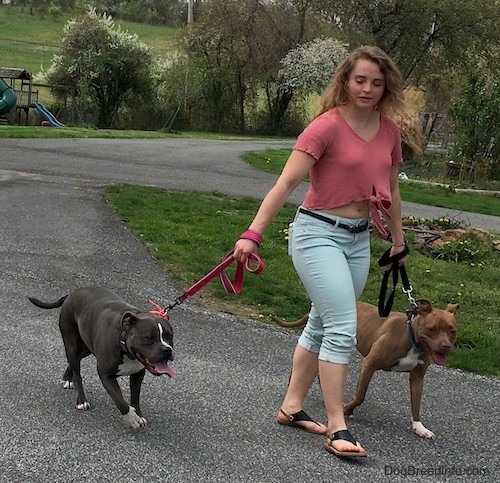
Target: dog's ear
[
  {"x": 128, "y": 320},
  {"x": 452, "y": 308},
  {"x": 424, "y": 307}
]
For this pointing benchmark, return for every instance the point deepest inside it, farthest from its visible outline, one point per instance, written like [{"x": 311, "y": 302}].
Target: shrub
[
  {"x": 103, "y": 63},
  {"x": 475, "y": 120}
]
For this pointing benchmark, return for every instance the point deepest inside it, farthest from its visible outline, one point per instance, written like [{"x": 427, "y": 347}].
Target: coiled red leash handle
[
  {"x": 253, "y": 264},
  {"x": 231, "y": 287}
]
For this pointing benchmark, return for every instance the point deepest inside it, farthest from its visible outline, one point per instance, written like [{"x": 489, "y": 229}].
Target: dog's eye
[{"x": 149, "y": 339}]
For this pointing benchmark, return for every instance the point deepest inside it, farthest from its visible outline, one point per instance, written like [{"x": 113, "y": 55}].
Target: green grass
[
  {"x": 30, "y": 41},
  {"x": 273, "y": 160},
  {"x": 19, "y": 25},
  {"x": 39, "y": 132},
  {"x": 160, "y": 39},
  {"x": 487, "y": 205},
  {"x": 31, "y": 57},
  {"x": 189, "y": 246}
]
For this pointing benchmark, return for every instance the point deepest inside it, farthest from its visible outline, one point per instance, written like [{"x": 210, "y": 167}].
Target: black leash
[{"x": 384, "y": 308}]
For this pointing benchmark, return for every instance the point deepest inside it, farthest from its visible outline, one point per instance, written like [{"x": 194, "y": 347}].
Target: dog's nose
[
  {"x": 445, "y": 347},
  {"x": 168, "y": 353}
]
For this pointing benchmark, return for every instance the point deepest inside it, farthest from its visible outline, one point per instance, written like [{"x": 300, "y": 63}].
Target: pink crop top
[{"x": 349, "y": 169}]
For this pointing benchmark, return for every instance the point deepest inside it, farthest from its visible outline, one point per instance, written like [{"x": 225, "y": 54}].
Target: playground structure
[
  {"x": 49, "y": 117},
  {"x": 21, "y": 95},
  {"x": 21, "y": 84},
  {"x": 8, "y": 98}
]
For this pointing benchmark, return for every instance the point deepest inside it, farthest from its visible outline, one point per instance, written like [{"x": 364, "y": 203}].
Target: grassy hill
[{"x": 29, "y": 41}]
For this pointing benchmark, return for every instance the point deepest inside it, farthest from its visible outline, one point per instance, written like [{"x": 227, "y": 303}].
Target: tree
[
  {"x": 475, "y": 120},
  {"x": 310, "y": 67},
  {"x": 305, "y": 69},
  {"x": 102, "y": 63},
  {"x": 423, "y": 36},
  {"x": 38, "y": 6},
  {"x": 234, "y": 51},
  {"x": 158, "y": 12}
]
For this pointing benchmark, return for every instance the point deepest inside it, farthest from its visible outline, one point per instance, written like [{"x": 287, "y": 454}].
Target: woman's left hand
[{"x": 398, "y": 249}]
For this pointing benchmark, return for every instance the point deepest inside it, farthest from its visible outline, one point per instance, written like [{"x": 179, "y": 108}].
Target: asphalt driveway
[{"x": 215, "y": 421}]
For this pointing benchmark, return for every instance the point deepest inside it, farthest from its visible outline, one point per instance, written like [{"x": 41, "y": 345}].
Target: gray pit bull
[{"x": 124, "y": 340}]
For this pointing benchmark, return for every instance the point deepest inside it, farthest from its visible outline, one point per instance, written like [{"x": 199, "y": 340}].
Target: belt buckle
[{"x": 357, "y": 229}]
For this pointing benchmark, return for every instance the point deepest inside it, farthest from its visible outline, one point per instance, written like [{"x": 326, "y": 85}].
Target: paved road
[
  {"x": 215, "y": 421},
  {"x": 186, "y": 164}
]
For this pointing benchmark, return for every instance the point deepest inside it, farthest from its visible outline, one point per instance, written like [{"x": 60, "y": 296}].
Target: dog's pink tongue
[
  {"x": 439, "y": 358},
  {"x": 163, "y": 368}
]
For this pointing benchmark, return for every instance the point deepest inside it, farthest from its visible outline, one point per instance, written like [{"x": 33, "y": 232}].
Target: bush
[
  {"x": 103, "y": 64},
  {"x": 475, "y": 120}
]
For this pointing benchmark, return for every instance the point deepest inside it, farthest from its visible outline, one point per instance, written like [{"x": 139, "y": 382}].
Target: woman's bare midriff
[{"x": 359, "y": 209}]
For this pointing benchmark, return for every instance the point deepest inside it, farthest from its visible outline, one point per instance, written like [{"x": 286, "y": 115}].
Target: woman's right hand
[{"x": 243, "y": 248}]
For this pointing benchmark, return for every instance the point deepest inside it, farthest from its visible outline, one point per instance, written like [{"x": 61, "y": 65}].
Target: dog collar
[
  {"x": 411, "y": 338},
  {"x": 123, "y": 343}
]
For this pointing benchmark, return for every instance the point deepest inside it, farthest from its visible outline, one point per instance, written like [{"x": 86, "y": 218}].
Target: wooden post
[{"x": 190, "y": 12}]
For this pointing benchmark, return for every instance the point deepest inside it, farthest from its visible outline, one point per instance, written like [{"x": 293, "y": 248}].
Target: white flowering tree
[
  {"x": 309, "y": 67},
  {"x": 305, "y": 69},
  {"x": 103, "y": 64}
]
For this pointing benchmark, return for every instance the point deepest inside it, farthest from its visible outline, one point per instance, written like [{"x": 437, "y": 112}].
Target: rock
[
  {"x": 480, "y": 235},
  {"x": 470, "y": 234},
  {"x": 453, "y": 235},
  {"x": 438, "y": 243}
]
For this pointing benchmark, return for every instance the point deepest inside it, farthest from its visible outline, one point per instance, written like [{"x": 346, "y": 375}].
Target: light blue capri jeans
[{"x": 333, "y": 266}]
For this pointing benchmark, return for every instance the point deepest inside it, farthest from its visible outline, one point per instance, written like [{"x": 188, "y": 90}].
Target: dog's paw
[
  {"x": 67, "y": 384},
  {"x": 83, "y": 406},
  {"x": 422, "y": 431},
  {"x": 348, "y": 411},
  {"x": 133, "y": 420}
]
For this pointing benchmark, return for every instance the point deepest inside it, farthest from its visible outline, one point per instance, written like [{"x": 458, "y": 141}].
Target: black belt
[{"x": 350, "y": 229}]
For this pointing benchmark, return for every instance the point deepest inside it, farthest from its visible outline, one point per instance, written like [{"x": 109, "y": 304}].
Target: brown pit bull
[{"x": 400, "y": 343}]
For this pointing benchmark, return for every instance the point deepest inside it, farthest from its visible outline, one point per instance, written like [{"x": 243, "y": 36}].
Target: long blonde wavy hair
[{"x": 392, "y": 103}]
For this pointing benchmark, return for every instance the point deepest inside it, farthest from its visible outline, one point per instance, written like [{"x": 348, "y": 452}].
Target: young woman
[{"x": 351, "y": 152}]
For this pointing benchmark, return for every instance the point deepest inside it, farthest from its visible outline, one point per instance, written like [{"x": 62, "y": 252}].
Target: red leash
[{"x": 253, "y": 264}]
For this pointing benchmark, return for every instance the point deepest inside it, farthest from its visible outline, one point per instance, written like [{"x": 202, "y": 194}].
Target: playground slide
[
  {"x": 47, "y": 115},
  {"x": 8, "y": 97}
]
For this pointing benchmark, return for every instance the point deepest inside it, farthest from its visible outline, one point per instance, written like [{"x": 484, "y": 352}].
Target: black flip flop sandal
[
  {"x": 293, "y": 420},
  {"x": 344, "y": 435}
]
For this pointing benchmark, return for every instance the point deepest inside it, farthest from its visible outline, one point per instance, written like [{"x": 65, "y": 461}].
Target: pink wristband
[{"x": 252, "y": 235}]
